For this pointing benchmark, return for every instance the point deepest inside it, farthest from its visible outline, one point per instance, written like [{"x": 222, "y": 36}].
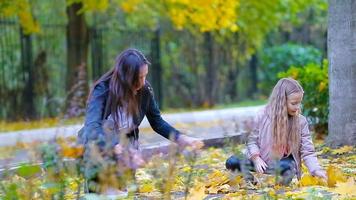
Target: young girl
[
  {"x": 117, "y": 104},
  {"x": 280, "y": 139}
]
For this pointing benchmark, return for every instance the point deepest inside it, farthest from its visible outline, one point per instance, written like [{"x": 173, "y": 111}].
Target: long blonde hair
[{"x": 285, "y": 129}]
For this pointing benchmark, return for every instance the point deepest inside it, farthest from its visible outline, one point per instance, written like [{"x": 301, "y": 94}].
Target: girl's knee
[{"x": 233, "y": 163}]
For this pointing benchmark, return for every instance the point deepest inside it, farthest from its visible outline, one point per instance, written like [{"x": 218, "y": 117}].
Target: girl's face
[
  {"x": 294, "y": 101},
  {"x": 142, "y": 76}
]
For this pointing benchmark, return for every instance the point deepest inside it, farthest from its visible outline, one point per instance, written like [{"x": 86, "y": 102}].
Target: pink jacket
[{"x": 260, "y": 143}]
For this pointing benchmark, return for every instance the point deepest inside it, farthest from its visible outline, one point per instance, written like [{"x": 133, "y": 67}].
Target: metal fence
[{"x": 33, "y": 67}]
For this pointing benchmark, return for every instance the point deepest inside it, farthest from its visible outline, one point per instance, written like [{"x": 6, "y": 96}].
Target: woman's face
[
  {"x": 142, "y": 76},
  {"x": 294, "y": 101}
]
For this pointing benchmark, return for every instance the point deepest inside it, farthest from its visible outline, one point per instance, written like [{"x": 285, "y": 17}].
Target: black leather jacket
[{"x": 93, "y": 128}]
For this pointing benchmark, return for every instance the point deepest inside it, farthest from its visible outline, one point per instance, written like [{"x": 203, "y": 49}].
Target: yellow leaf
[
  {"x": 198, "y": 192},
  {"x": 347, "y": 188},
  {"x": 308, "y": 180},
  {"x": 334, "y": 175},
  {"x": 342, "y": 150},
  {"x": 217, "y": 178},
  {"x": 236, "y": 195},
  {"x": 72, "y": 151},
  {"x": 224, "y": 188},
  {"x": 212, "y": 190},
  {"x": 236, "y": 181},
  {"x": 146, "y": 187}
]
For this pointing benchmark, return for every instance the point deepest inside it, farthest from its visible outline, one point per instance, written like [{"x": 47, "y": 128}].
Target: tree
[
  {"x": 342, "y": 72},
  {"x": 77, "y": 43}
]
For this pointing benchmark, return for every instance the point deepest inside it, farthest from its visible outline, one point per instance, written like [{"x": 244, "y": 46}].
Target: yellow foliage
[
  {"x": 129, "y": 6},
  {"x": 205, "y": 15},
  {"x": 308, "y": 180},
  {"x": 146, "y": 187},
  {"x": 21, "y": 9},
  {"x": 15, "y": 126},
  {"x": 95, "y": 5},
  {"x": 334, "y": 175},
  {"x": 217, "y": 178},
  {"x": 347, "y": 188},
  {"x": 197, "y": 192},
  {"x": 91, "y": 5},
  {"x": 236, "y": 181},
  {"x": 236, "y": 195},
  {"x": 70, "y": 151},
  {"x": 342, "y": 150},
  {"x": 322, "y": 86}
]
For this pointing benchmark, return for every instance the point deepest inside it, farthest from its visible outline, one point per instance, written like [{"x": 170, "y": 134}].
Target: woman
[{"x": 116, "y": 106}]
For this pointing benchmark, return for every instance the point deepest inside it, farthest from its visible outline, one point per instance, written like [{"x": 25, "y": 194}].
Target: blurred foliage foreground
[{"x": 179, "y": 175}]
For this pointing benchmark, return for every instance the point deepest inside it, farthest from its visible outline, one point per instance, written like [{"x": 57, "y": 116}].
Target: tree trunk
[
  {"x": 253, "y": 77},
  {"x": 342, "y": 72},
  {"x": 211, "y": 70},
  {"x": 29, "y": 110},
  {"x": 157, "y": 68},
  {"x": 77, "y": 43}
]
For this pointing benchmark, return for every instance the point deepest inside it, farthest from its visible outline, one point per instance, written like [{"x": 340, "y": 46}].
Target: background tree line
[{"x": 203, "y": 52}]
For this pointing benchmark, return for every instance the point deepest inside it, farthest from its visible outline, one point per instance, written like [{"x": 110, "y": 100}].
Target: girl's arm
[
  {"x": 307, "y": 150},
  {"x": 252, "y": 146}
]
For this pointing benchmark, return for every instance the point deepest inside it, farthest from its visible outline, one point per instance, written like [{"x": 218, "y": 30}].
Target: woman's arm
[
  {"x": 93, "y": 129},
  {"x": 153, "y": 115}
]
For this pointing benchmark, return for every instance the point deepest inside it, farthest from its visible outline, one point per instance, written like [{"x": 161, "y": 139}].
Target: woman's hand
[
  {"x": 118, "y": 149},
  {"x": 260, "y": 165},
  {"x": 186, "y": 141},
  {"x": 137, "y": 160},
  {"x": 321, "y": 174},
  {"x": 129, "y": 157}
]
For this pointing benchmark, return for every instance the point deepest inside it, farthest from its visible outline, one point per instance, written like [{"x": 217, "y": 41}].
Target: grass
[
  {"x": 180, "y": 174},
  {"x": 53, "y": 122},
  {"x": 245, "y": 103},
  {"x": 36, "y": 124}
]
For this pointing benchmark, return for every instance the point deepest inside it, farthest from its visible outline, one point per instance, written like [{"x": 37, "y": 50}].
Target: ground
[{"x": 195, "y": 176}]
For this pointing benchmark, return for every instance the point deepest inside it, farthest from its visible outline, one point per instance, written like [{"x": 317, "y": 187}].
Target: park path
[{"x": 211, "y": 126}]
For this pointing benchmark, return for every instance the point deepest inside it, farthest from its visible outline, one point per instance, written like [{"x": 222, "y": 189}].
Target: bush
[
  {"x": 279, "y": 58},
  {"x": 314, "y": 80}
]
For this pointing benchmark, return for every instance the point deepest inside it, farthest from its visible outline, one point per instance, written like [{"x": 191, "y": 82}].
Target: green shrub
[
  {"x": 279, "y": 58},
  {"x": 315, "y": 82}
]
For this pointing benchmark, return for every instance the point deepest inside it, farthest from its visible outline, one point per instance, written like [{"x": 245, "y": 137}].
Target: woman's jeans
[{"x": 284, "y": 169}]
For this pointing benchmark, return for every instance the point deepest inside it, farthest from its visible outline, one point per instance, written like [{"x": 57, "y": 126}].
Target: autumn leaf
[
  {"x": 197, "y": 192},
  {"x": 334, "y": 175},
  {"x": 72, "y": 151},
  {"x": 308, "y": 180},
  {"x": 342, "y": 150},
  {"x": 146, "y": 187},
  {"x": 347, "y": 188},
  {"x": 236, "y": 181},
  {"x": 217, "y": 178},
  {"x": 236, "y": 195}
]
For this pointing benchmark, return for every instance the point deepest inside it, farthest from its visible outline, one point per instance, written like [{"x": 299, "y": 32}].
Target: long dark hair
[{"x": 123, "y": 80}]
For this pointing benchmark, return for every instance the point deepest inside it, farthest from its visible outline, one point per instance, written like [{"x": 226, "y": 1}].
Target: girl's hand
[
  {"x": 260, "y": 165},
  {"x": 186, "y": 141},
  {"x": 321, "y": 174}
]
